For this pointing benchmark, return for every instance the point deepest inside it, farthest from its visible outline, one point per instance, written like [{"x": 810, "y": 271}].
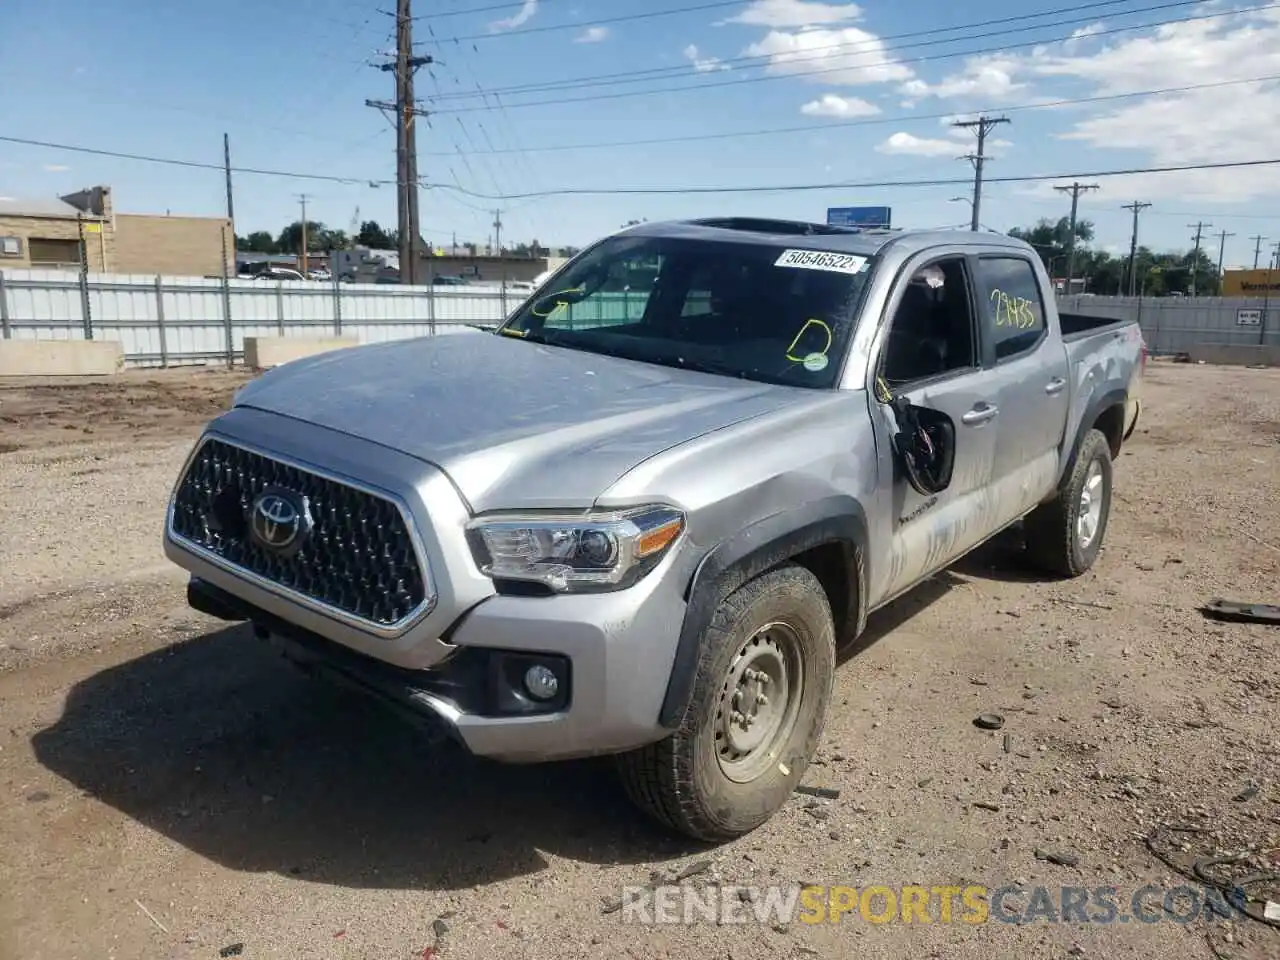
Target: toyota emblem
[{"x": 280, "y": 520}]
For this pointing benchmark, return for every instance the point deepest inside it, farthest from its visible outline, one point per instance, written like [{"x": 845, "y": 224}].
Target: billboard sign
[{"x": 870, "y": 217}]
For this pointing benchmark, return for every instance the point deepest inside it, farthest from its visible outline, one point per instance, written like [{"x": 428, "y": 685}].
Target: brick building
[{"x": 47, "y": 233}]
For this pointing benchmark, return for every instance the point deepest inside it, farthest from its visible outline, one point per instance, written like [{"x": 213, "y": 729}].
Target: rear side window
[{"x": 1015, "y": 313}]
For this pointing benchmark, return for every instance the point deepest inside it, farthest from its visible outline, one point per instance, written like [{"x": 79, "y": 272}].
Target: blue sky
[{"x": 288, "y": 82}]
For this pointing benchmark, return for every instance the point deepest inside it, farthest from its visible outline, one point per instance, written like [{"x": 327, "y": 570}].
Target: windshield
[{"x": 759, "y": 311}]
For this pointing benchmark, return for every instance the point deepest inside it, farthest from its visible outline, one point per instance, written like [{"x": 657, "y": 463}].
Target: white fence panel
[{"x": 170, "y": 321}]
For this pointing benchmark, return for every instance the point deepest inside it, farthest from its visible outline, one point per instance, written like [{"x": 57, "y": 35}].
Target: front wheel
[
  {"x": 755, "y": 715},
  {"x": 1064, "y": 536}
]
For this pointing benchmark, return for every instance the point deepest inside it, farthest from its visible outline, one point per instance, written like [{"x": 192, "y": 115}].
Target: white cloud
[
  {"x": 1078, "y": 35},
  {"x": 703, "y": 64},
  {"x": 56, "y": 168},
  {"x": 847, "y": 56},
  {"x": 832, "y": 105},
  {"x": 908, "y": 143},
  {"x": 1215, "y": 124},
  {"x": 988, "y": 77},
  {"x": 1212, "y": 125},
  {"x": 795, "y": 13},
  {"x": 521, "y": 17},
  {"x": 592, "y": 35}
]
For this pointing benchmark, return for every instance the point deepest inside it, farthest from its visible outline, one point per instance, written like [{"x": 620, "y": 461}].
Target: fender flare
[
  {"x": 744, "y": 556},
  {"x": 1107, "y": 400}
]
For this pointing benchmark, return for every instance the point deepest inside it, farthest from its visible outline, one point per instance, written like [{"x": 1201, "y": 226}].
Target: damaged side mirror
[{"x": 924, "y": 446}]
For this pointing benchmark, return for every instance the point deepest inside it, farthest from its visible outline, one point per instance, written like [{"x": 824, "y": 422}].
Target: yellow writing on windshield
[
  {"x": 807, "y": 324},
  {"x": 559, "y": 304},
  {"x": 1011, "y": 311}
]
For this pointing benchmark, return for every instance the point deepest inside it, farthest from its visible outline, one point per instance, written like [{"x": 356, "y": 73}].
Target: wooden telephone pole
[
  {"x": 1075, "y": 190},
  {"x": 405, "y": 111}
]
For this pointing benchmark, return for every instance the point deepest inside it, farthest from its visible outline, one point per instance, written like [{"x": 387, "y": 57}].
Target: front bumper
[{"x": 613, "y": 652}]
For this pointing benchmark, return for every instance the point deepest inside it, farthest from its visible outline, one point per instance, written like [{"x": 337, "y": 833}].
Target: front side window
[
  {"x": 757, "y": 311},
  {"x": 1015, "y": 313}
]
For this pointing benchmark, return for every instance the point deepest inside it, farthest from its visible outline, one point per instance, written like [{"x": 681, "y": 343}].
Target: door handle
[
  {"x": 980, "y": 414},
  {"x": 1055, "y": 385}
]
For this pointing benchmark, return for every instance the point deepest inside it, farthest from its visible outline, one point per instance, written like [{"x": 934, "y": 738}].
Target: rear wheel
[
  {"x": 1064, "y": 536},
  {"x": 754, "y": 718}
]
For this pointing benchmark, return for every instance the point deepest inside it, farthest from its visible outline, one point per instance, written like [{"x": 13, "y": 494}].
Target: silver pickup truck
[{"x": 641, "y": 516}]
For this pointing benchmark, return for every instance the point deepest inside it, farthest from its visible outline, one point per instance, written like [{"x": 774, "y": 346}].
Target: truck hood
[{"x": 514, "y": 424}]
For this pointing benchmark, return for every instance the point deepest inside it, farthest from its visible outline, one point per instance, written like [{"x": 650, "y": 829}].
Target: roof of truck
[{"x": 816, "y": 236}]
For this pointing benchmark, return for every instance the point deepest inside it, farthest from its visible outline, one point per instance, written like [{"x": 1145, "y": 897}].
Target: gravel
[{"x": 151, "y": 755}]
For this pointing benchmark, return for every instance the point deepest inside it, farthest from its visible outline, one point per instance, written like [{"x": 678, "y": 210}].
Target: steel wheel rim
[
  {"x": 759, "y": 702},
  {"x": 1089, "y": 516}
]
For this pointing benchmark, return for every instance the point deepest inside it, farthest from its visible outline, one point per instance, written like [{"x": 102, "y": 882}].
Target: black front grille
[{"x": 358, "y": 557}]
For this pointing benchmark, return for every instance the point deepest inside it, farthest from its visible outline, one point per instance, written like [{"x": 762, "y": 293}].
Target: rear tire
[
  {"x": 754, "y": 718},
  {"x": 1064, "y": 536}
]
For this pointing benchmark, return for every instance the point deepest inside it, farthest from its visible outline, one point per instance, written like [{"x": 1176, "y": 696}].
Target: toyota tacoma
[{"x": 640, "y": 517}]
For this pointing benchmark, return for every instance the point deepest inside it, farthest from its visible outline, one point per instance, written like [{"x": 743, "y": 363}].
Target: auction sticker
[
  {"x": 821, "y": 260},
  {"x": 815, "y": 362}
]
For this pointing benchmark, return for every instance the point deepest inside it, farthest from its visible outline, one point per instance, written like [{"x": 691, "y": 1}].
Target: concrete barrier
[
  {"x": 261, "y": 353},
  {"x": 60, "y": 358},
  {"x": 1239, "y": 355}
]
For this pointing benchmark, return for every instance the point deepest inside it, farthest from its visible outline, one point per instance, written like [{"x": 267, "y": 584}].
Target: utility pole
[
  {"x": 1137, "y": 207},
  {"x": 497, "y": 233},
  {"x": 226, "y": 166},
  {"x": 1195, "y": 256},
  {"x": 1075, "y": 190},
  {"x": 983, "y": 125},
  {"x": 1222, "y": 249},
  {"x": 302, "y": 198},
  {"x": 405, "y": 110},
  {"x": 1257, "y": 249}
]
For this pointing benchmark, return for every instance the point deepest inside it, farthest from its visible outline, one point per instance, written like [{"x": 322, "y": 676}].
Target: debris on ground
[
  {"x": 231, "y": 950},
  {"x": 988, "y": 721},
  {"x": 826, "y": 793},
  {"x": 1063, "y": 858},
  {"x": 1236, "y": 611}
]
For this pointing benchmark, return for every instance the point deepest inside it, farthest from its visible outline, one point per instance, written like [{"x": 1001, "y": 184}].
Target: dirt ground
[{"x": 170, "y": 789}]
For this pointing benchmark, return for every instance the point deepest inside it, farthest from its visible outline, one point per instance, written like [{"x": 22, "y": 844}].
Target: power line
[
  {"x": 468, "y": 11},
  {"x": 711, "y": 85},
  {"x": 983, "y": 125},
  {"x": 1137, "y": 207},
  {"x": 647, "y": 15},
  {"x": 878, "y": 121},
  {"x": 816, "y": 53},
  {"x": 1075, "y": 190},
  {"x": 870, "y": 184},
  {"x": 606, "y": 191}
]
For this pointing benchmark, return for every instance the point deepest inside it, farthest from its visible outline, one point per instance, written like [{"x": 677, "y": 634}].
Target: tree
[
  {"x": 257, "y": 242},
  {"x": 290, "y": 239},
  {"x": 373, "y": 236},
  {"x": 331, "y": 240},
  {"x": 1052, "y": 240}
]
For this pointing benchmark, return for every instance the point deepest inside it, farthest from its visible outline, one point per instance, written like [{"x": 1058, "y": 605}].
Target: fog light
[{"x": 541, "y": 682}]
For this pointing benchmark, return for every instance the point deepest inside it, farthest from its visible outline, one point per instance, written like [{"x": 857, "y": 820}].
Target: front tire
[
  {"x": 1064, "y": 536},
  {"x": 754, "y": 718}
]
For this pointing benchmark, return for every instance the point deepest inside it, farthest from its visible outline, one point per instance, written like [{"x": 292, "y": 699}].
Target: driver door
[{"x": 929, "y": 362}]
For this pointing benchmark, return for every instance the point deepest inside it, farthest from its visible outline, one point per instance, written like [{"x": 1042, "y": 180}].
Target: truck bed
[{"x": 1077, "y": 325}]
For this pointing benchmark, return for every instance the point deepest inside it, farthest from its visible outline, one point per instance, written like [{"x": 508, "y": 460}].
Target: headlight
[{"x": 589, "y": 552}]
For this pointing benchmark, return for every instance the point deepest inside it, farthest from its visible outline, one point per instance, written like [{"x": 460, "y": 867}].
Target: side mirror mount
[{"x": 924, "y": 446}]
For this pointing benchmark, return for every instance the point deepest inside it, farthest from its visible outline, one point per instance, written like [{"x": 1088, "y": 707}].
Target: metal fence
[
  {"x": 168, "y": 321},
  {"x": 1173, "y": 325}
]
